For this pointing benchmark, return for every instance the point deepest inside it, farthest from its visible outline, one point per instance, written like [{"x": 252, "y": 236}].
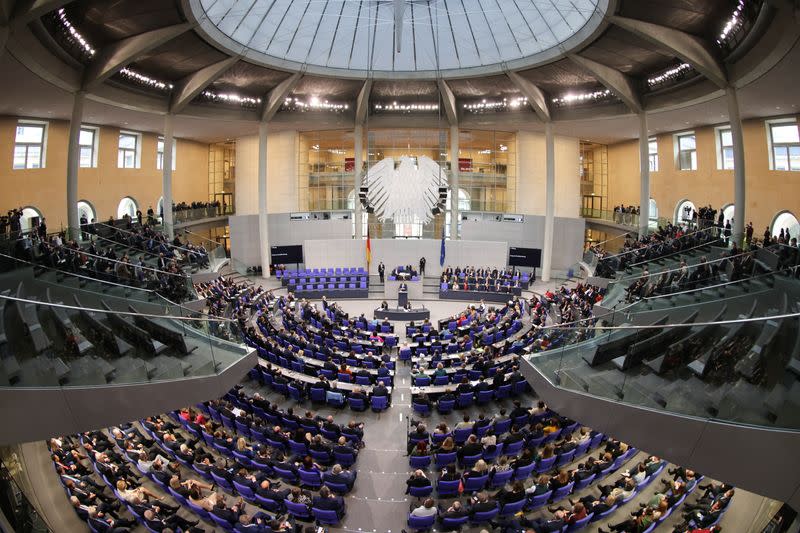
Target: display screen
[
  {"x": 281, "y": 255},
  {"x": 524, "y": 257}
]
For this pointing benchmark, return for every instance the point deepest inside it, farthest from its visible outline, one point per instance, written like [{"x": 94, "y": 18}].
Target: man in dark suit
[
  {"x": 265, "y": 490},
  {"x": 381, "y": 270},
  {"x": 328, "y": 501},
  {"x": 340, "y": 476},
  {"x": 471, "y": 448}
]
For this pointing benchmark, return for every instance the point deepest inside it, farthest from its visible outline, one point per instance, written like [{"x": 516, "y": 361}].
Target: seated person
[
  {"x": 428, "y": 508},
  {"x": 328, "y": 501}
]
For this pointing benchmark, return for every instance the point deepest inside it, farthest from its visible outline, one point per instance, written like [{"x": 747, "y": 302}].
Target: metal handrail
[
  {"x": 69, "y": 273},
  {"x": 130, "y": 232},
  {"x": 653, "y": 244},
  {"x": 718, "y": 260},
  {"x": 689, "y": 291}
]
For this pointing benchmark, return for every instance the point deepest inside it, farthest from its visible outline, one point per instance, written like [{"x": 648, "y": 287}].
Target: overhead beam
[
  {"x": 362, "y": 104},
  {"x": 114, "y": 57},
  {"x": 617, "y": 82},
  {"x": 536, "y": 97},
  {"x": 26, "y": 11},
  {"x": 689, "y": 48},
  {"x": 6, "y": 11},
  {"x": 399, "y": 11},
  {"x": 194, "y": 83},
  {"x": 449, "y": 102},
  {"x": 274, "y": 98}
]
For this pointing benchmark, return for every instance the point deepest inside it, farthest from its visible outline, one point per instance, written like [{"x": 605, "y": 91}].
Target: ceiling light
[
  {"x": 495, "y": 105},
  {"x": 231, "y": 98},
  {"x": 733, "y": 22},
  {"x": 67, "y": 26},
  {"x": 145, "y": 80},
  {"x": 571, "y": 98},
  {"x": 673, "y": 73},
  {"x": 406, "y": 108},
  {"x": 314, "y": 103}
]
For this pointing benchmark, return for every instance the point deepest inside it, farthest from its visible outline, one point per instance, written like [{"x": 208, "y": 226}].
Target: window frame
[
  {"x": 137, "y": 150},
  {"x": 160, "y": 153},
  {"x": 679, "y": 152},
  {"x": 652, "y": 155},
  {"x": 95, "y": 139},
  {"x": 770, "y": 124},
  {"x": 42, "y": 145},
  {"x": 719, "y": 131}
]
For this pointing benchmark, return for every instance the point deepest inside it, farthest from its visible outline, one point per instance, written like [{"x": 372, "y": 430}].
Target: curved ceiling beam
[
  {"x": 274, "y": 98},
  {"x": 27, "y": 11},
  {"x": 194, "y": 83},
  {"x": 449, "y": 102},
  {"x": 617, "y": 82},
  {"x": 399, "y": 11},
  {"x": 114, "y": 57},
  {"x": 6, "y": 11},
  {"x": 362, "y": 104},
  {"x": 689, "y": 48},
  {"x": 536, "y": 97}
]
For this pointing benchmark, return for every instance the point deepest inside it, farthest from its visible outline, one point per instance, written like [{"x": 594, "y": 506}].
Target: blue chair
[
  {"x": 379, "y": 403},
  {"x": 298, "y": 448},
  {"x": 245, "y": 492},
  {"x": 422, "y": 381},
  {"x": 598, "y": 517},
  {"x": 484, "y": 396},
  {"x": 422, "y": 408},
  {"x": 465, "y": 400},
  {"x": 514, "y": 448},
  {"x": 420, "y": 492},
  {"x": 286, "y": 475},
  {"x": 503, "y": 391},
  {"x": 565, "y": 458},
  {"x": 461, "y": 435},
  {"x": 583, "y": 483},
  {"x": 446, "y": 406},
  {"x": 421, "y": 523},
  {"x": 317, "y": 395},
  {"x": 321, "y": 457},
  {"x": 513, "y": 507},
  {"x": 324, "y": 516},
  {"x": 501, "y": 478},
  {"x": 523, "y": 472},
  {"x": 298, "y": 510},
  {"x": 419, "y": 461},
  {"x": 468, "y": 461},
  {"x": 444, "y": 459},
  {"x": 337, "y": 488},
  {"x": 475, "y": 483},
  {"x": 269, "y": 505},
  {"x": 454, "y": 523},
  {"x": 357, "y": 404},
  {"x": 563, "y": 492},
  {"x": 545, "y": 464},
  {"x": 501, "y": 427},
  {"x": 484, "y": 516},
  {"x": 535, "y": 502},
  {"x": 344, "y": 459},
  {"x": 310, "y": 478},
  {"x": 221, "y": 522},
  {"x": 447, "y": 488}
]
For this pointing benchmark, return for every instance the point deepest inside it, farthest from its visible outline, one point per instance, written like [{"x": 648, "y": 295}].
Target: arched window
[
  {"x": 684, "y": 212},
  {"x": 728, "y": 214},
  {"x": 86, "y": 211},
  {"x": 785, "y": 220},
  {"x": 127, "y": 206},
  {"x": 30, "y": 219},
  {"x": 653, "y": 210},
  {"x": 464, "y": 204}
]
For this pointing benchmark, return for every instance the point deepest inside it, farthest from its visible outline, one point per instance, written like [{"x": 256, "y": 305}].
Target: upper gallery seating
[{"x": 685, "y": 360}]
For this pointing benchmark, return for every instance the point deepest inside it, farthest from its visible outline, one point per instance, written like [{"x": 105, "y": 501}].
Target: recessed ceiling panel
[{"x": 399, "y": 38}]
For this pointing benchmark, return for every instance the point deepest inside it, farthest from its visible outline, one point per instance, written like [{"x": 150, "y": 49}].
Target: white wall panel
[{"x": 281, "y": 173}]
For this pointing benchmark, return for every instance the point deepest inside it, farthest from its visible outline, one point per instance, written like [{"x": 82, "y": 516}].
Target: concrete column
[
  {"x": 166, "y": 181},
  {"x": 358, "y": 155},
  {"x": 454, "y": 215},
  {"x": 73, "y": 164},
  {"x": 739, "y": 186},
  {"x": 644, "y": 173},
  {"x": 549, "y": 219},
  {"x": 263, "y": 220}
]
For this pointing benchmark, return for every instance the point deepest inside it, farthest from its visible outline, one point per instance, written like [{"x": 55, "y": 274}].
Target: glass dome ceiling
[{"x": 399, "y": 38}]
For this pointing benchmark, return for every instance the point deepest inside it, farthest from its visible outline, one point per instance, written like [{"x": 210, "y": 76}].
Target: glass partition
[
  {"x": 62, "y": 338},
  {"x": 729, "y": 352}
]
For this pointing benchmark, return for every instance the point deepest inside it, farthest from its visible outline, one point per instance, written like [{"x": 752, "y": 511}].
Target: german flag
[{"x": 369, "y": 251}]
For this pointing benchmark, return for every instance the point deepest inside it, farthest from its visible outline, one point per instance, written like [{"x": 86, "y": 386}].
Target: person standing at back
[{"x": 421, "y": 266}]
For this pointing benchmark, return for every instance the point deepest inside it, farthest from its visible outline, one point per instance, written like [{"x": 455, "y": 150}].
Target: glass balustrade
[{"x": 55, "y": 337}]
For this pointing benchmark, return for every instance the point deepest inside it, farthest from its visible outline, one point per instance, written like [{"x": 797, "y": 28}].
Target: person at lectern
[
  {"x": 384, "y": 305},
  {"x": 403, "y": 288},
  {"x": 381, "y": 270}
]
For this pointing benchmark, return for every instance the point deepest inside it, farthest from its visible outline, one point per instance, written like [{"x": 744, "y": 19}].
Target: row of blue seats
[
  {"x": 328, "y": 287},
  {"x": 325, "y": 279},
  {"x": 336, "y": 271}
]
